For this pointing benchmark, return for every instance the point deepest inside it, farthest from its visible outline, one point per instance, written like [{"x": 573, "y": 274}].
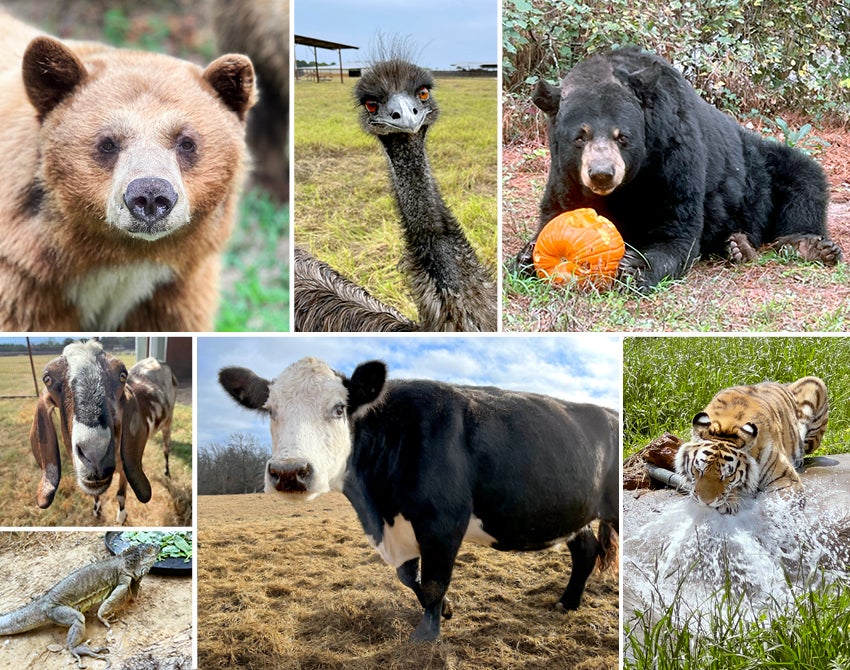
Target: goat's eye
[
  {"x": 48, "y": 381},
  {"x": 423, "y": 93},
  {"x": 371, "y": 106},
  {"x": 122, "y": 376}
]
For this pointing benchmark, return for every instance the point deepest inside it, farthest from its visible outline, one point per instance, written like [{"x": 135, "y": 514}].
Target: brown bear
[{"x": 122, "y": 171}]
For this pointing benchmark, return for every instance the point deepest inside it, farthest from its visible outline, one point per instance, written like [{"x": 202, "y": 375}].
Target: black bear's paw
[
  {"x": 631, "y": 272},
  {"x": 524, "y": 263},
  {"x": 739, "y": 249},
  {"x": 810, "y": 248}
]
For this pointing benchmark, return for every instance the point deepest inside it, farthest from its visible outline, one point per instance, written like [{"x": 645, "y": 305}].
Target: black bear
[{"x": 629, "y": 137}]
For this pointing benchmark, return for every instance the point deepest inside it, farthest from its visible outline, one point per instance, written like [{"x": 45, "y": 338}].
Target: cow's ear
[
  {"x": 547, "y": 97},
  {"x": 246, "y": 388},
  {"x": 365, "y": 384}
]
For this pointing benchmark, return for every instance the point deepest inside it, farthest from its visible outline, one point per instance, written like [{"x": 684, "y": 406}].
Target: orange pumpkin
[{"x": 579, "y": 244}]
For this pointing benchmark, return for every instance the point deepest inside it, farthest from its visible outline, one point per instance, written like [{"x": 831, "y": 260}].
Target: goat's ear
[
  {"x": 134, "y": 437},
  {"x": 45, "y": 448},
  {"x": 245, "y": 387},
  {"x": 366, "y": 384}
]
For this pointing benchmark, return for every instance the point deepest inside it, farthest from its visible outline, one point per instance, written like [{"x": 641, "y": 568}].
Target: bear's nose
[
  {"x": 602, "y": 176},
  {"x": 150, "y": 199}
]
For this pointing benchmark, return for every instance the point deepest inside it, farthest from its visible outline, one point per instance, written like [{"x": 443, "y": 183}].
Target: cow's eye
[{"x": 339, "y": 411}]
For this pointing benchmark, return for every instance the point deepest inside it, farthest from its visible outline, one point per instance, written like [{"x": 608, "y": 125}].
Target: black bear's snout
[
  {"x": 150, "y": 199},
  {"x": 602, "y": 176}
]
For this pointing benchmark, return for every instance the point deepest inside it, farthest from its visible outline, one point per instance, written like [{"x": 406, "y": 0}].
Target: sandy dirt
[
  {"x": 297, "y": 586},
  {"x": 153, "y": 632}
]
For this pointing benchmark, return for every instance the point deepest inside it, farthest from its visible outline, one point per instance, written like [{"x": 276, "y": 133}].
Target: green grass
[
  {"x": 345, "y": 210},
  {"x": 813, "y": 634},
  {"x": 255, "y": 280},
  {"x": 668, "y": 380}
]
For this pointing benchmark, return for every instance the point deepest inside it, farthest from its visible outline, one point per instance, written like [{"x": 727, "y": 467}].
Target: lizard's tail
[{"x": 22, "y": 619}]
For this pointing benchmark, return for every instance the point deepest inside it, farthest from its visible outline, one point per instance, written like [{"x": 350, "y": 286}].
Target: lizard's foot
[{"x": 84, "y": 649}]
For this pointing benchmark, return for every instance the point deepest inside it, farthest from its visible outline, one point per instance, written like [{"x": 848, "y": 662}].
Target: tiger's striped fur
[{"x": 752, "y": 438}]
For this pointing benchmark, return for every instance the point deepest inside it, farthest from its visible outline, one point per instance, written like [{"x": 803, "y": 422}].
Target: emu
[
  {"x": 106, "y": 415},
  {"x": 451, "y": 289}
]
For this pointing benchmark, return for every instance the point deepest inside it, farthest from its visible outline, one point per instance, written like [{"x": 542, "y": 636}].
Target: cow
[{"x": 427, "y": 465}]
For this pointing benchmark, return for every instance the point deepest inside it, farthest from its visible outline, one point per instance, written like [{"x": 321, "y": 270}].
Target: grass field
[
  {"x": 171, "y": 502},
  {"x": 345, "y": 213},
  {"x": 667, "y": 380},
  {"x": 283, "y": 586}
]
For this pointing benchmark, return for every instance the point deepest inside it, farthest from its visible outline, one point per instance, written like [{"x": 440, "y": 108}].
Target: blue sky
[
  {"x": 581, "y": 367},
  {"x": 445, "y": 31}
]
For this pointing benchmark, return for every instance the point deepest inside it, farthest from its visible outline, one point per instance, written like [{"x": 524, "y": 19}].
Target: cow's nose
[{"x": 290, "y": 475}]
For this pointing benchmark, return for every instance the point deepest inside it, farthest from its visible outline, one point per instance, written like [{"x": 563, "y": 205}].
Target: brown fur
[
  {"x": 260, "y": 29},
  {"x": 61, "y": 221}
]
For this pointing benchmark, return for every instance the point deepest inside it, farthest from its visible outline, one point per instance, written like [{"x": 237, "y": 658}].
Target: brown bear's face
[{"x": 142, "y": 142}]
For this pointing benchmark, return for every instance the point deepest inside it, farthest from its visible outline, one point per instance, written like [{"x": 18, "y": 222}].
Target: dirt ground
[
  {"x": 786, "y": 298},
  {"x": 297, "y": 586},
  {"x": 152, "y": 633}
]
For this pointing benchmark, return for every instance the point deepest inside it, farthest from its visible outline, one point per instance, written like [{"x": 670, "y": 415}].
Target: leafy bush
[{"x": 770, "y": 55}]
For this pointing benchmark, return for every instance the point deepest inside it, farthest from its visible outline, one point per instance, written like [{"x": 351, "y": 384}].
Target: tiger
[{"x": 753, "y": 438}]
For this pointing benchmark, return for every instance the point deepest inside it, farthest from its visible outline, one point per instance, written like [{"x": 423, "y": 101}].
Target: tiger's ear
[
  {"x": 45, "y": 448},
  {"x": 701, "y": 420}
]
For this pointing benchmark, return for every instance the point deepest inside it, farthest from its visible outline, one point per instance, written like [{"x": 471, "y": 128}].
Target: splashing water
[{"x": 689, "y": 557}]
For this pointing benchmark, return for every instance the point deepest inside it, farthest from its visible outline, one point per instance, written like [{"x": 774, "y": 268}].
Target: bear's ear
[
  {"x": 232, "y": 77},
  {"x": 643, "y": 82},
  {"x": 547, "y": 97},
  {"x": 51, "y": 71}
]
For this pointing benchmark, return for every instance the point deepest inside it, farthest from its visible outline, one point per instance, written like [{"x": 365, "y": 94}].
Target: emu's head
[
  {"x": 88, "y": 387},
  {"x": 395, "y": 97}
]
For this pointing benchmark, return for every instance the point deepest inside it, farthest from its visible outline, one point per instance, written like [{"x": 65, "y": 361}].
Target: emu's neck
[{"x": 451, "y": 289}]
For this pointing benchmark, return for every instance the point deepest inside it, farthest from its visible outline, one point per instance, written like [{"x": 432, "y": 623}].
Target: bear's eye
[
  {"x": 107, "y": 146},
  {"x": 623, "y": 140},
  {"x": 371, "y": 106},
  {"x": 186, "y": 145},
  {"x": 581, "y": 138}
]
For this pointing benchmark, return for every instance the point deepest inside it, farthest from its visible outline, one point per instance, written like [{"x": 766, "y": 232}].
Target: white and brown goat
[{"x": 106, "y": 415}]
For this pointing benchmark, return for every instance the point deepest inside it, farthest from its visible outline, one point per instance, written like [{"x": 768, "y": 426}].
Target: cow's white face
[
  {"x": 310, "y": 406},
  {"x": 311, "y": 440}
]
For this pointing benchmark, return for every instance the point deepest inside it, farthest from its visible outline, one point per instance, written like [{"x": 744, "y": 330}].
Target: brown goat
[{"x": 106, "y": 415}]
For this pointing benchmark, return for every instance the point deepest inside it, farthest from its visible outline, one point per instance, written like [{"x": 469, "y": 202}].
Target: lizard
[{"x": 110, "y": 582}]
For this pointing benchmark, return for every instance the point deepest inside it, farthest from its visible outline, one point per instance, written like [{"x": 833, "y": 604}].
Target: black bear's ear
[
  {"x": 51, "y": 71},
  {"x": 547, "y": 97},
  {"x": 643, "y": 82}
]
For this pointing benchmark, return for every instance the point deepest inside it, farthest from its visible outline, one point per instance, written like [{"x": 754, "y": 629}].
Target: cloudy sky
[
  {"x": 445, "y": 31},
  {"x": 581, "y": 367}
]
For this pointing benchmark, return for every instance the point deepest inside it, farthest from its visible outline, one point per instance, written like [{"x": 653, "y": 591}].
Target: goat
[{"x": 106, "y": 415}]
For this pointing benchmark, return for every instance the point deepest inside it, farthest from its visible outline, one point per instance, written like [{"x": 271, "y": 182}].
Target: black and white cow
[{"x": 428, "y": 465}]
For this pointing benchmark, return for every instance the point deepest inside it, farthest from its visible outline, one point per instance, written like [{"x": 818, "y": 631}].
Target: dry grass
[
  {"x": 171, "y": 502},
  {"x": 283, "y": 586}
]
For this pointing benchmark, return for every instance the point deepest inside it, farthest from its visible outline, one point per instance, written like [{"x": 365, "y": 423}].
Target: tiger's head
[{"x": 718, "y": 472}]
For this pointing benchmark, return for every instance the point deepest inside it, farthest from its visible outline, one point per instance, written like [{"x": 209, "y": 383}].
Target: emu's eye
[
  {"x": 48, "y": 381},
  {"x": 423, "y": 93},
  {"x": 107, "y": 146},
  {"x": 371, "y": 106}
]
